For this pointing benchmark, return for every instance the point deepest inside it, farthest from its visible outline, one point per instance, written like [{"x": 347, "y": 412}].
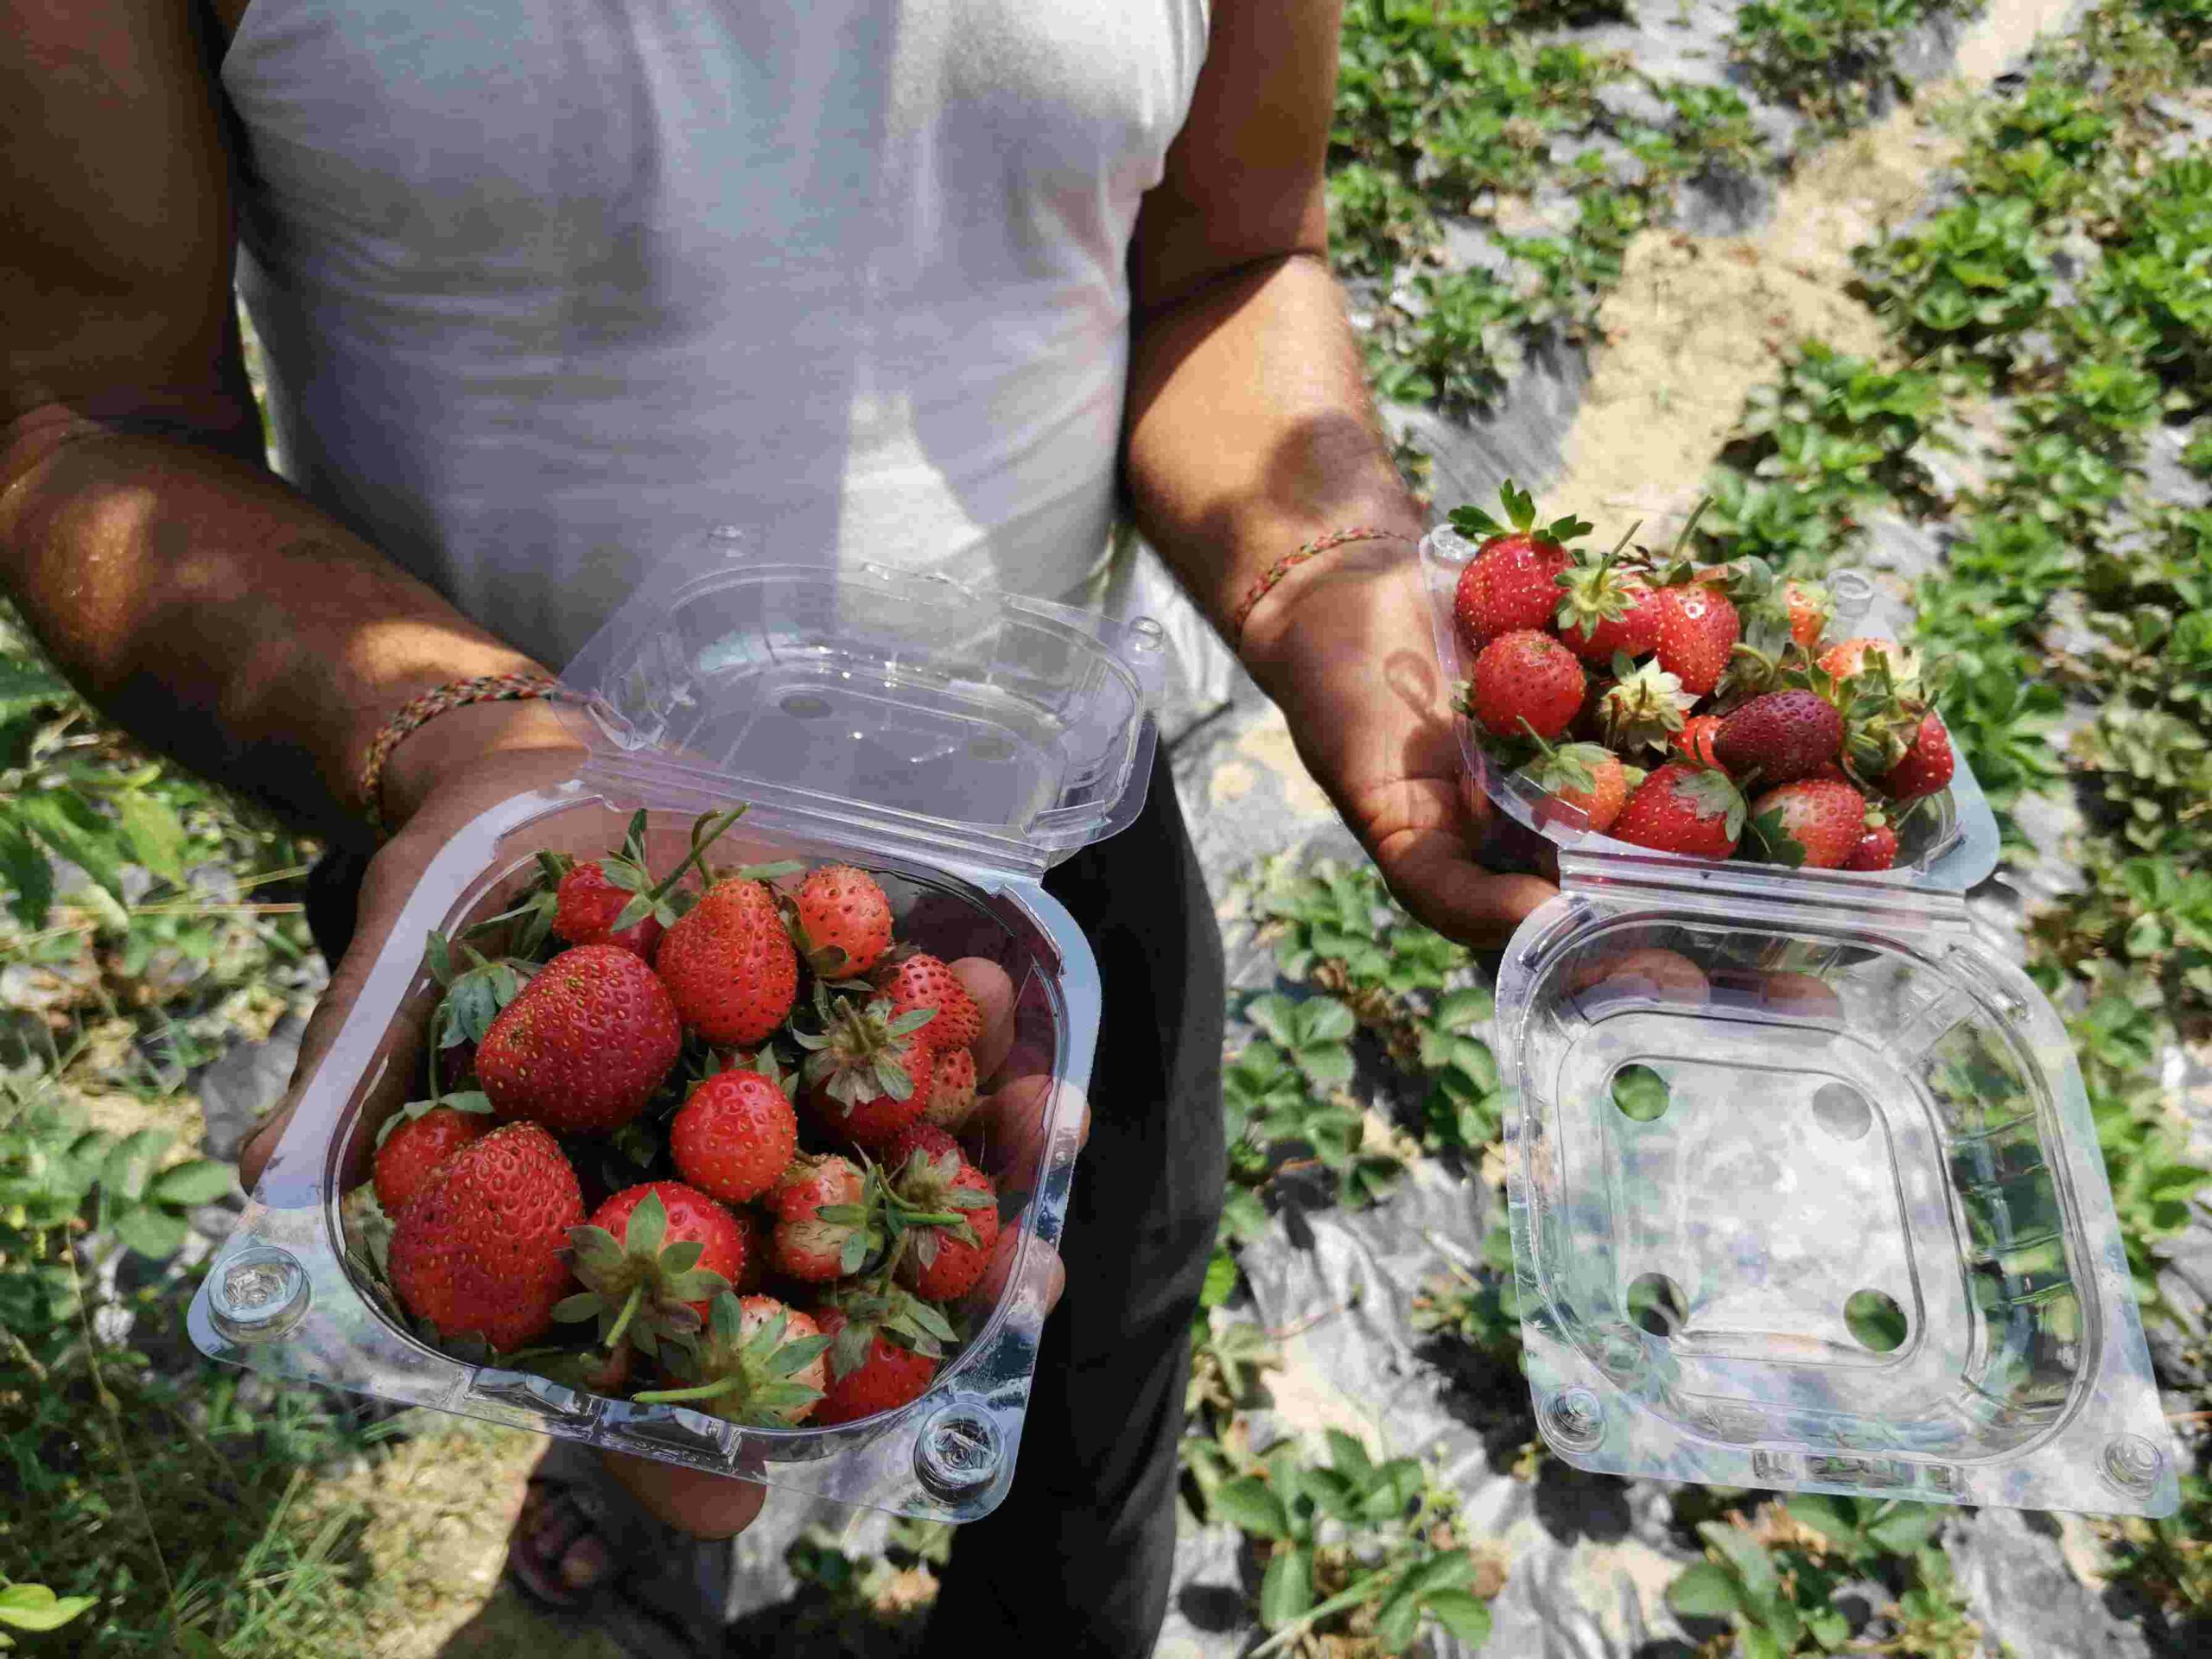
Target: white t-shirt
[{"x": 548, "y": 286}]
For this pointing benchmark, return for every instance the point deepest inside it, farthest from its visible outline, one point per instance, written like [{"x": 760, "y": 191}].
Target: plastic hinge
[{"x": 1845, "y": 899}]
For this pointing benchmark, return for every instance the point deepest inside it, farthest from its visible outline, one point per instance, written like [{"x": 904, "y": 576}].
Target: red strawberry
[
  {"x": 1878, "y": 846},
  {"x": 416, "y": 1143},
  {"x": 952, "y": 1210},
  {"x": 585, "y": 904},
  {"x": 729, "y": 964},
  {"x": 843, "y": 910},
  {"x": 924, "y": 1138},
  {"x": 880, "y": 1376},
  {"x": 1782, "y": 736},
  {"x": 643, "y": 1280},
  {"x": 757, "y": 1362},
  {"x": 1605, "y": 609},
  {"x": 1584, "y": 785},
  {"x": 1525, "y": 681},
  {"x": 1809, "y": 609},
  {"x": 918, "y": 980},
  {"x": 1697, "y": 629},
  {"x": 1512, "y": 582},
  {"x": 480, "y": 1248},
  {"x": 585, "y": 1045},
  {"x": 1848, "y": 659},
  {"x": 869, "y": 1070},
  {"x": 592, "y": 899},
  {"x": 1812, "y": 823},
  {"x": 1683, "y": 809},
  {"x": 952, "y": 1090},
  {"x": 735, "y": 1134},
  {"x": 1927, "y": 765},
  {"x": 1696, "y": 739},
  {"x": 1648, "y": 973},
  {"x": 807, "y": 1245},
  {"x": 754, "y": 1233}
]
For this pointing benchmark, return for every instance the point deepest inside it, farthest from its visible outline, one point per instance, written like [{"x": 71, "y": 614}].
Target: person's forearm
[
  {"x": 1250, "y": 432},
  {"x": 216, "y": 615}
]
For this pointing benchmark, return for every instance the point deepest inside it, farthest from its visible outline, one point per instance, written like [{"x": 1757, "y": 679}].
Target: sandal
[{"x": 558, "y": 1556}]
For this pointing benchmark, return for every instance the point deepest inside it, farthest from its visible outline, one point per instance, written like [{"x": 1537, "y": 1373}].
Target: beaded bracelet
[
  {"x": 1282, "y": 567},
  {"x": 419, "y": 711}
]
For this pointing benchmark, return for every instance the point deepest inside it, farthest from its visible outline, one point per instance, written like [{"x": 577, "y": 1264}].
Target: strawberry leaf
[
  {"x": 797, "y": 1355},
  {"x": 585, "y": 1305},
  {"x": 849, "y": 1349},
  {"x": 682, "y": 1257},
  {"x": 648, "y": 1225},
  {"x": 854, "y": 1253}
]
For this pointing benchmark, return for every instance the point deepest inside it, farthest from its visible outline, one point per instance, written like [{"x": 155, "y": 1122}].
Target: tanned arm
[
  {"x": 1250, "y": 432},
  {"x": 189, "y": 593}
]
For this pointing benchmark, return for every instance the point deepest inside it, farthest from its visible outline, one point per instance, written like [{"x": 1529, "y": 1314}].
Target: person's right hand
[{"x": 441, "y": 778}]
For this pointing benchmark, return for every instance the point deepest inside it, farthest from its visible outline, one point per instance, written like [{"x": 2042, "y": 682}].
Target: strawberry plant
[
  {"x": 1834, "y": 59},
  {"x": 1963, "y": 285},
  {"x": 1354, "y": 1545},
  {"x": 1481, "y": 1307},
  {"x": 34, "y": 1609}
]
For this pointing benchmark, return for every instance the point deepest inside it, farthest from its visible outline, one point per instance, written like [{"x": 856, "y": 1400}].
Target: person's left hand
[{"x": 1344, "y": 648}]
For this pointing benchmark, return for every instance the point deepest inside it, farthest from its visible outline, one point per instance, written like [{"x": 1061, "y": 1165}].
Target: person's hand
[
  {"x": 445, "y": 775},
  {"x": 1343, "y": 647}
]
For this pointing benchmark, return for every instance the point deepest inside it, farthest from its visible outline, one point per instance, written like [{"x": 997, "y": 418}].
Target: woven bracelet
[
  {"x": 417, "y": 712},
  {"x": 1273, "y": 575}
]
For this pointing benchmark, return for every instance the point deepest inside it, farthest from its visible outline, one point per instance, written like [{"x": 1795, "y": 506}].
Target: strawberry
[
  {"x": 651, "y": 1258},
  {"x": 822, "y": 1232},
  {"x": 1810, "y": 822},
  {"x": 753, "y": 1232},
  {"x": 1877, "y": 845},
  {"x": 1645, "y": 708},
  {"x": 1809, "y": 608},
  {"x": 1847, "y": 660},
  {"x": 1683, "y": 809},
  {"x": 1697, "y": 627},
  {"x": 1782, "y": 736},
  {"x": 868, "y": 1372},
  {"x": 729, "y": 964},
  {"x": 615, "y": 900},
  {"x": 949, "y": 1213},
  {"x": 1646, "y": 974},
  {"x": 1606, "y": 609},
  {"x": 757, "y": 1362},
  {"x": 918, "y": 980},
  {"x": 736, "y": 1133},
  {"x": 924, "y": 1138},
  {"x": 1927, "y": 763},
  {"x": 480, "y": 1249},
  {"x": 869, "y": 1070},
  {"x": 1583, "y": 784},
  {"x": 419, "y": 1137},
  {"x": 584, "y": 1046},
  {"x": 1525, "y": 681},
  {"x": 1696, "y": 739},
  {"x": 952, "y": 1090},
  {"x": 844, "y": 921},
  {"x": 1512, "y": 582}
]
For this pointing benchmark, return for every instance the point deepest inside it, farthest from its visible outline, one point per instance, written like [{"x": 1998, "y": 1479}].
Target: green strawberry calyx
[
  {"x": 636, "y": 1286},
  {"x": 1707, "y": 792},
  {"x": 742, "y": 1379},
  {"x": 855, "y": 1057},
  {"x": 662, "y": 900},
  {"x": 1645, "y": 706},
  {"x": 1520, "y": 515},
  {"x": 1595, "y": 590},
  {"x": 926, "y": 1203},
  {"x": 473, "y": 1101},
  {"x": 1776, "y": 844},
  {"x": 1570, "y": 769},
  {"x": 903, "y": 1319}
]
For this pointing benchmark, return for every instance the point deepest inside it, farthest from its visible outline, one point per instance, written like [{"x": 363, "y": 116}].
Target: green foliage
[
  {"x": 1353, "y": 1546},
  {"x": 2160, "y": 269},
  {"x": 1965, "y": 284},
  {"x": 1452, "y": 345},
  {"x": 1481, "y": 1308},
  {"x": 1836, "y": 59}
]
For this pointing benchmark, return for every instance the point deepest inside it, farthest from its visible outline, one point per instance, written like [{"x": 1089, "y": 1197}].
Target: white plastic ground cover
[
  {"x": 954, "y": 742},
  {"x": 1805, "y": 1190}
]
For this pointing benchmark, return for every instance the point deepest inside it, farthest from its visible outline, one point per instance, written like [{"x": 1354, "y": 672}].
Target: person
[{"x": 949, "y": 285}]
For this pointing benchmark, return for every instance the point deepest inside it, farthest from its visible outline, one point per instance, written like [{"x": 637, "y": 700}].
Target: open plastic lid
[{"x": 905, "y": 710}]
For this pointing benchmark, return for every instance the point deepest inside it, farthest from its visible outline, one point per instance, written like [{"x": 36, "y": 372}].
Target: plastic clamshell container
[
  {"x": 954, "y": 742},
  {"x": 1809, "y": 1196}
]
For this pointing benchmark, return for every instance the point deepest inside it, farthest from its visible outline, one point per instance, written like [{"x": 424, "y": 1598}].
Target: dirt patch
[{"x": 1696, "y": 323}]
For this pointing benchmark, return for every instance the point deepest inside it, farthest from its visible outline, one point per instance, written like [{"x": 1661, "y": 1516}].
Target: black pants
[{"x": 1077, "y": 1560}]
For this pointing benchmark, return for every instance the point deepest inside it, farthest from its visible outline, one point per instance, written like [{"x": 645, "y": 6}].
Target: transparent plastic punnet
[
  {"x": 1804, "y": 1188},
  {"x": 955, "y": 743}
]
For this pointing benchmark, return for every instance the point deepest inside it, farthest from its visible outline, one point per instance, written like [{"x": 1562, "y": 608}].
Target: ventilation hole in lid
[
  {"x": 1640, "y": 1093},
  {"x": 1655, "y": 1303},
  {"x": 1875, "y": 1320}
]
